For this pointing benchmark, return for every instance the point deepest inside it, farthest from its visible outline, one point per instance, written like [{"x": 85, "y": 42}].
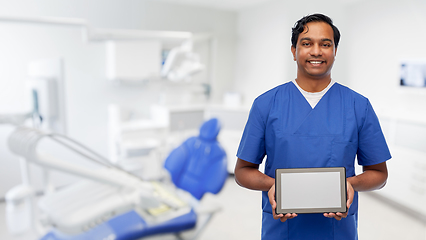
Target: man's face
[{"x": 315, "y": 51}]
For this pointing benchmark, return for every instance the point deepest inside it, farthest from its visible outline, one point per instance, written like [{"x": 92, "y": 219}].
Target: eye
[
  {"x": 306, "y": 44},
  {"x": 326, "y": 45}
]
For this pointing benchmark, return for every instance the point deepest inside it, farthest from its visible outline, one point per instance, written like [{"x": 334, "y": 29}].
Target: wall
[
  {"x": 263, "y": 57},
  {"x": 87, "y": 91},
  {"x": 387, "y": 33},
  {"x": 260, "y": 61}
]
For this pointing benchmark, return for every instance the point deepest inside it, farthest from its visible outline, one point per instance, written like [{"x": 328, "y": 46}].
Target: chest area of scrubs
[{"x": 298, "y": 135}]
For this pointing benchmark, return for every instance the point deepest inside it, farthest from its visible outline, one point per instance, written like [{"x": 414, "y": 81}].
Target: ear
[
  {"x": 293, "y": 50},
  {"x": 335, "y": 51}
]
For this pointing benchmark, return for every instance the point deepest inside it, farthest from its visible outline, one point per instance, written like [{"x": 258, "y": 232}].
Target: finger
[
  {"x": 272, "y": 202},
  {"x": 335, "y": 216},
  {"x": 332, "y": 215},
  {"x": 274, "y": 213},
  {"x": 274, "y": 206},
  {"x": 288, "y": 216},
  {"x": 271, "y": 194},
  {"x": 277, "y": 216},
  {"x": 284, "y": 217},
  {"x": 349, "y": 203},
  {"x": 338, "y": 216},
  {"x": 351, "y": 193}
]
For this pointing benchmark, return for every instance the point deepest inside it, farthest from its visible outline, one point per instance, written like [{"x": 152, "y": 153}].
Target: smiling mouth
[{"x": 315, "y": 62}]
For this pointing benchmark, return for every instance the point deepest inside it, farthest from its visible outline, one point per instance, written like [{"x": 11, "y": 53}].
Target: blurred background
[{"x": 132, "y": 79}]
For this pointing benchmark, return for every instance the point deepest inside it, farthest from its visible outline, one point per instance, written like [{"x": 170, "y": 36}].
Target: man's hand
[
  {"x": 350, "y": 195},
  {"x": 282, "y": 217}
]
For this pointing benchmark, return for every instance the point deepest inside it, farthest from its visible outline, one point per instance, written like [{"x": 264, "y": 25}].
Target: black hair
[{"x": 299, "y": 27}]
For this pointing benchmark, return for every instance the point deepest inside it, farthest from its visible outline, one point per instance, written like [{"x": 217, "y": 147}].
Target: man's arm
[
  {"x": 247, "y": 175},
  {"x": 373, "y": 177}
]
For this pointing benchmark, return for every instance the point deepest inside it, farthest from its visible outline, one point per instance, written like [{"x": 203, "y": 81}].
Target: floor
[{"x": 241, "y": 213}]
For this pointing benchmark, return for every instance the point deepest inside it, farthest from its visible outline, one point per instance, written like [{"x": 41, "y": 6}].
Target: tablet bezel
[{"x": 280, "y": 210}]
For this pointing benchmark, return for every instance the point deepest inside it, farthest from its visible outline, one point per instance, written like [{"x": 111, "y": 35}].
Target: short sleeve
[
  {"x": 372, "y": 147},
  {"x": 252, "y": 145}
]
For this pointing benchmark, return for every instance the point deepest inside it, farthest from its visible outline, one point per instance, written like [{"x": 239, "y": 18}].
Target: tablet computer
[{"x": 310, "y": 190}]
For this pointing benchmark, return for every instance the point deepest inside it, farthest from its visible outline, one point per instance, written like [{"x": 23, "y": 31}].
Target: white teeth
[{"x": 315, "y": 62}]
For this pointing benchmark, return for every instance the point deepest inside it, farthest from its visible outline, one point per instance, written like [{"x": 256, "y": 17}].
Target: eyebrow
[{"x": 323, "y": 40}]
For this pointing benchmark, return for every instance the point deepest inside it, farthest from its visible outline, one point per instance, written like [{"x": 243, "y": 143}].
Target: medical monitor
[{"x": 310, "y": 190}]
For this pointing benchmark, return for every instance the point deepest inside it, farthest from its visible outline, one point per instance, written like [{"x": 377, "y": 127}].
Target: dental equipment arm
[
  {"x": 23, "y": 142},
  {"x": 14, "y": 119},
  {"x": 82, "y": 205}
]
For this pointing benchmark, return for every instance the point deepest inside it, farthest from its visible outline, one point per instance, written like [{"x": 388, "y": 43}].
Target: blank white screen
[{"x": 310, "y": 190}]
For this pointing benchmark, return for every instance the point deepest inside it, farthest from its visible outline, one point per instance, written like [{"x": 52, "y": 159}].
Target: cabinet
[
  {"x": 133, "y": 60},
  {"x": 406, "y": 185}
]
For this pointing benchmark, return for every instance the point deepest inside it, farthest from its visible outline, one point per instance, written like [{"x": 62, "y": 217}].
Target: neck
[{"x": 313, "y": 85}]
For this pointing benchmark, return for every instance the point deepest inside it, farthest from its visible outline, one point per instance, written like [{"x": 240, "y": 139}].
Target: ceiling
[
  {"x": 235, "y": 5},
  {"x": 231, "y": 5}
]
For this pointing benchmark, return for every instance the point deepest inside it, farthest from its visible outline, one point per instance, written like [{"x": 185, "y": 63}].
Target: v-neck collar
[
  {"x": 299, "y": 89},
  {"x": 323, "y": 120}
]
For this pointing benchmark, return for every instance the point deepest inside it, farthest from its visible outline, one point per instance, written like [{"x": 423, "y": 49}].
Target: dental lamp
[{"x": 181, "y": 63}]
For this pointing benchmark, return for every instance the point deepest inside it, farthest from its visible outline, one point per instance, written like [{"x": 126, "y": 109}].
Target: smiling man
[
  {"x": 312, "y": 121},
  {"x": 314, "y": 52}
]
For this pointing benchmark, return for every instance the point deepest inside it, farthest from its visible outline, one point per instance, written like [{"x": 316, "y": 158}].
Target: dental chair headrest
[{"x": 210, "y": 129}]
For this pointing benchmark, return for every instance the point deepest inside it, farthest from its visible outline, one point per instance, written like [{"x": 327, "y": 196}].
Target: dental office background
[{"x": 246, "y": 52}]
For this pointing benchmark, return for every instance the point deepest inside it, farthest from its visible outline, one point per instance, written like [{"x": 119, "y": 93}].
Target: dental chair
[{"x": 196, "y": 167}]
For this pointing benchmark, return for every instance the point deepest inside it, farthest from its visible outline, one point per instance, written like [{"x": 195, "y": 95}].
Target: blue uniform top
[{"x": 291, "y": 134}]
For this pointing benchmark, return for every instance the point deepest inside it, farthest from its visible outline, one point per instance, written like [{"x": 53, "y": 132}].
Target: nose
[{"x": 316, "y": 50}]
